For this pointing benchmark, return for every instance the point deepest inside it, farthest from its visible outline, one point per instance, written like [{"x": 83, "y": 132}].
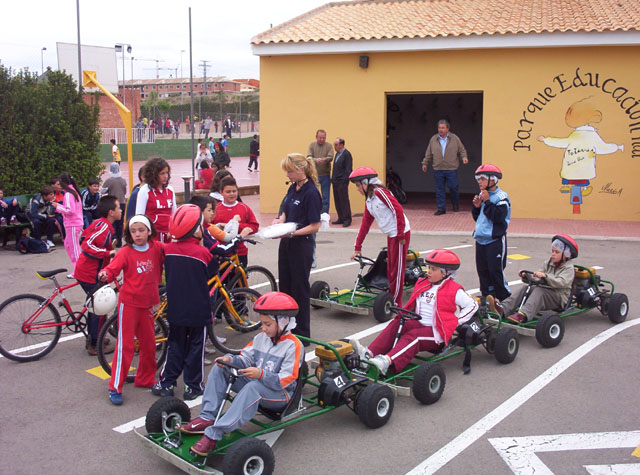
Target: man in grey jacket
[{"x": 444, "y": 152}]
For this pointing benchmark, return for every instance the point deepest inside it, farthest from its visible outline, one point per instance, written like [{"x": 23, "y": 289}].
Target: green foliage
[
  {"x": 46, "y": 129},
  {"x": 173, "y": 148}
]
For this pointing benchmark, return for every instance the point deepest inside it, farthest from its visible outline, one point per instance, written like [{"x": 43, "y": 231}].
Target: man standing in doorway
[
  {"x": 342, "y": 168},
  {"x": 445, "y": 150},
  {"x": 322, "y": 154}
]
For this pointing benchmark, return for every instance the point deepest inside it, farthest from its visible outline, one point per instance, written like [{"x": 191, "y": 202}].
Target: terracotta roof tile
[{"x": 388, "y": 19}]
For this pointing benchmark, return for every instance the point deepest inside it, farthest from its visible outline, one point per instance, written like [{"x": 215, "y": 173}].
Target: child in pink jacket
[{"x": 71, "y": 211}]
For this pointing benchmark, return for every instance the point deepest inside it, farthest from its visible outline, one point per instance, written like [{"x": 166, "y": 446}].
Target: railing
[{"x": 139, "y": 135}]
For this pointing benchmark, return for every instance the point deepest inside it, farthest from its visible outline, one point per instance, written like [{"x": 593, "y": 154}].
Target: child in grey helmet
[
  {"x": 557, "y": 275},
  {"x": 270, "y": 366}
]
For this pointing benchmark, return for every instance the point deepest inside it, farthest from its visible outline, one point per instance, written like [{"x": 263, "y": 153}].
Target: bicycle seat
[{"x": 45, "y": 274}]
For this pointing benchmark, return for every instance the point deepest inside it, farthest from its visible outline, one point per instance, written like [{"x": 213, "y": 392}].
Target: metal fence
[{"x": 139, "y": 135}]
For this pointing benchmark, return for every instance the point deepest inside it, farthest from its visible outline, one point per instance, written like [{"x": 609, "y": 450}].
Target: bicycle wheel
[
  {"x": 258, "y": 278},
  {"x": 28, "y": 344},
  {"x": 239, "y": 325},
  {"x": 107, "y": 338}
]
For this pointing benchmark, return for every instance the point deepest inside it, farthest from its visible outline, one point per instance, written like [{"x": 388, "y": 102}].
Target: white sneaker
[
  {"x": 382, "y": 362},
  {"x": 70, "y": 276},
  {"x": 362, "y": 351},
  {"x": 222, "y": 340},
  {"x": 50, "y": 243}
]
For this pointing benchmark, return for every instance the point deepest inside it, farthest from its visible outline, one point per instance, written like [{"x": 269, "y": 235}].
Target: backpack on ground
[{"x": 30, "y": 245}]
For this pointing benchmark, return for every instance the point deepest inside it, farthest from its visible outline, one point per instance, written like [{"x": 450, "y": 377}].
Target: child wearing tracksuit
[
  {"x": 141, "y": 260},
  {"x": 71, "y": 211},
  {"x": 442, "y": 305},
  {"x": 491, "y": 211},
  {"x": 270, "y": 366},
  {"x": 188, "y": 305},
  {"x": 383, "y": 207}
]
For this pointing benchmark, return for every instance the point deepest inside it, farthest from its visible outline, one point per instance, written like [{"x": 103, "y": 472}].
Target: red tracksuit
[
  {"x": 138, "y": 296},
  {"x": 225, "y": 213},
  {"x": 157, "y": 205}
]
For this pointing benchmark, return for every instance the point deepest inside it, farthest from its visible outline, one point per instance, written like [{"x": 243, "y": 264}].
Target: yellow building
[{"x": 543, "y": 89}]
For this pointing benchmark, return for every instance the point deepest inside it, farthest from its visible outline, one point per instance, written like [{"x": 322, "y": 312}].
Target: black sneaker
[
  {"x": 159, "y": 390},
  {"x": 191, "y": 394}
]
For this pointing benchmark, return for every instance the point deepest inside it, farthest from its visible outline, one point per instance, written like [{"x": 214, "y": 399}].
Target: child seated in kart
[
  {"x": 269, "y": 375},
  {"x": 443, "y": 305},
  {"x": 552, "y": 293}
]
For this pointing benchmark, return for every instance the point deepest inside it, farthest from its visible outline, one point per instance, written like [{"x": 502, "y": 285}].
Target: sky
[{"x": 221, "y": 32}]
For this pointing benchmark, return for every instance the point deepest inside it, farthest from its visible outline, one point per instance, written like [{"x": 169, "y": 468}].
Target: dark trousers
[
  {"x": 118, "y": 225},
  {"x": 185, "y": 355},
  {"x": 446, "y": 179},
  {"x": 89, "y": 216},
  {"x": 253, "y": 159},
  {"x": 36, "y": 226},
  {"x": 491, "y": 259},
  {"x": 341, "y": 200},
  {"x": 94, "y": 322},
  {"x": 295, "y": 256}
]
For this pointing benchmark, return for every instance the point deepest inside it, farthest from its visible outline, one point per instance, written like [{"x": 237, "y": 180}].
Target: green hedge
[
  {"x": 172, "y": 148},
  {"x": 46, "y": 129}
]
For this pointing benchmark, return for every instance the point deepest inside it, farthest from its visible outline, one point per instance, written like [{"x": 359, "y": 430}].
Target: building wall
[
  {"x": 526, "y": 94},
  {"x": 109, "y": 115}
]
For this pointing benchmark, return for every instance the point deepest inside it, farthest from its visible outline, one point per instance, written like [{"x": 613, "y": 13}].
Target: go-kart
[
  {"x": 370, "y": 291},
  {"x": 588, "y": 291}
]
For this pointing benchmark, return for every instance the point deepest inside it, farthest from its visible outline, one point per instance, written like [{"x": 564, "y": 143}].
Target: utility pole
[{"x": 204, "y": 66}]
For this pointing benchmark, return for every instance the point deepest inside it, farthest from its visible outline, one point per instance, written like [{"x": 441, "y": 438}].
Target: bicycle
[
  {"x": 394, "y": 185},
  {"x": 40, "y": 331},
  {"x": 252, "y": 277}
]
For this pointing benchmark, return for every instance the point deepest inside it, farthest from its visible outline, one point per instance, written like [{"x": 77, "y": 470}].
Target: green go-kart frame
[
  {"x": 366, "y": 297},
  {"x": 350, "y": 382},
  {"x": 588, "y": 291}
]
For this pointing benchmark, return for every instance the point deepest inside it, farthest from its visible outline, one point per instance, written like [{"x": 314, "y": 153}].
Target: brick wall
[{"x": 109, "y": 115}]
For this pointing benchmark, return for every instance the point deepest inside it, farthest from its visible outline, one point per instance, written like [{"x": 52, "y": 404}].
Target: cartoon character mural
[{"x": 581, "y": 148}]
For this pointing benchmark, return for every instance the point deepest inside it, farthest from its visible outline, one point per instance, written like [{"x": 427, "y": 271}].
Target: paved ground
[{"x": 61, "y": 421}]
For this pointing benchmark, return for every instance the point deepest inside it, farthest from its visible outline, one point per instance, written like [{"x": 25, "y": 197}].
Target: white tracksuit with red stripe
[
  {"x": 279, "y": 364},
  {"x": 388, "y": 213}
]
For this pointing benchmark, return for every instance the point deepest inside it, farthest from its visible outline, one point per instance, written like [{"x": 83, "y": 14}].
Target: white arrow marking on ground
[
  {"x": 443, "y": 456},
  {"x": 271, "y": 437},
  {"x": 618, "y": 469},
  {"x": 519, "y": 453}
]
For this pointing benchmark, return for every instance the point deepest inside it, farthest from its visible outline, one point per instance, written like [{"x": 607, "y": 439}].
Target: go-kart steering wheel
[
  {"x": 528, "y": 275},
  {"x": 362, "y": 260},
  {"x": 228, "y": 365},
  {"x": 404, "y": 313}
]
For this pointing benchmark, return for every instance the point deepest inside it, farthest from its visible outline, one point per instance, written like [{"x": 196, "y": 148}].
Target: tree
[{"x": 46, "y": 129}]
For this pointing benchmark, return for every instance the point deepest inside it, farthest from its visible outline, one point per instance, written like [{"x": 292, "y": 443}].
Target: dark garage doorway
[{"x": 412, "y": 119}]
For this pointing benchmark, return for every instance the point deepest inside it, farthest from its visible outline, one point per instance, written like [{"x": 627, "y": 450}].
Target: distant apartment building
[{"x": 167, "y": 87}]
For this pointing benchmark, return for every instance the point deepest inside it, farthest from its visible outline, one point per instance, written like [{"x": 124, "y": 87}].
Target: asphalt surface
[{"x": 57, "y": 417}]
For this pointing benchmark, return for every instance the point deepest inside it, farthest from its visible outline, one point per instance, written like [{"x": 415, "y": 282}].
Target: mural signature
[{"x": 610, "y": 190}]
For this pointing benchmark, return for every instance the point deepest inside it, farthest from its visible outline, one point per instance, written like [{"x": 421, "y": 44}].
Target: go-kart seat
[
  {"x": 293, "y": 402},
  {"x": 376, "y": 276}
]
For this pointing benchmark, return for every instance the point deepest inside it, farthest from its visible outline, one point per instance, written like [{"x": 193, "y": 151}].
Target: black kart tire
[
  {"x": 429, "y": 382},
  {"x": 382, "y": 307},
  {"x": 168, "y": 412},
  {"x": 374, "y": 405},
  {"x": 258, "y": 278},
  {"x": 319, "y": 290},
  {"x": 549, "y": 330},
  {"x": 506, "y": 345},
  {"x": 249, "y": 456},
  {"x": 618, "y": 308},
  {"x": 22, "y": 347}
]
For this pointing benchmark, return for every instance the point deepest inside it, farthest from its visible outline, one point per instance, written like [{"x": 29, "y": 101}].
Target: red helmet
[
  {"x": 489, "y": 170},
  {"x": 362, "y": 173},
  {"x": 443, "y": 258},
  {"x": 569, "y": 241},
  {"x": 276, "y": 303},
  {"x": 185, "y": 221}
]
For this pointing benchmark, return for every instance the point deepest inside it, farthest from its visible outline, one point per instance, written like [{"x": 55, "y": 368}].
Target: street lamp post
[
  {"x": 133, "y": 105},
  {"x": 42, "y": 50},
  {"x": 181, "y": 73},
  {"x": 120, "y": 48}
]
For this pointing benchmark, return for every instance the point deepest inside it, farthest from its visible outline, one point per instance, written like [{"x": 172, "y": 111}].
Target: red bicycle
[{"x": 30, "y": 325}]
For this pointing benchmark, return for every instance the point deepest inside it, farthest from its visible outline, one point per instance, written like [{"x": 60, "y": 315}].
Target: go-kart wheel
[
  {"x": 506, "y": 345},
  {"x": 618, "y": 308},
  {"x": 374, "y": 405},
  {"x": 319, "y": 290},
  {"x": 429, "y": 382},
  {"x": 249, "y": 456},
  {"x": 490, "y": 342},
  {"x": 549, "y": 330},
  {"x": 165, "y": 414},
  {"x": 382, "y": 307}
]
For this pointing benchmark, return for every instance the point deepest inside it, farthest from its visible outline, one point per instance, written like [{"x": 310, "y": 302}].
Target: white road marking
[
  {"x": 40, "y": 345},
  {"x": 440, "y": 458},
  {"x": 519, "y": 453},
  {"x": 617, "y": 469}
]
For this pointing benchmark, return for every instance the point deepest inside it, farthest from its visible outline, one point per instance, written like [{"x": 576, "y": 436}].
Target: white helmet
[{"x": 104, "y": 300}]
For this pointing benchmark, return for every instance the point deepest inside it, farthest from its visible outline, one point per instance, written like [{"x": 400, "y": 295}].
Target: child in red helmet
[
  {"x": 557, "y": 274},
  {"x": 443, "y": 305},
  {"x": 270, "y": 366},
  {"x": 382, "y": 206}
]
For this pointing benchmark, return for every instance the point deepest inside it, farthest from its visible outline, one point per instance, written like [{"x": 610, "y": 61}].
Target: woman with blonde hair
[{"x": 301, "y": 205}]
